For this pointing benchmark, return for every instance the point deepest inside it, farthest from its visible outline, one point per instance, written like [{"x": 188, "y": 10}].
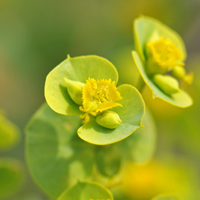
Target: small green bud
[
  {"x": 166, "y": 83},
  {"x": 178, "y": 72},
  {"x": 109, "y": 119},
  {"x": 75, "y": 89}
]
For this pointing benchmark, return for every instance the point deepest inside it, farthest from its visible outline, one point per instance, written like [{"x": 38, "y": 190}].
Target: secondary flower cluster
[
  {"x": 159, "y": 57},
  {"x": 164, "y": 57}
]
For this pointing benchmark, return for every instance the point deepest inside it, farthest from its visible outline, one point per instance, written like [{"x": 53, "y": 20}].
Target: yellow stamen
[
  {"x": 98, "y": 96},
  {"x": 163, "y": 55}
]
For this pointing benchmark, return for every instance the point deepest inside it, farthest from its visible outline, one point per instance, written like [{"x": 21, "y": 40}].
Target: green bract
[
  {"x": 52, "y": 143},
  {"x": 152, "y": 38},
  {"x": 140, "y": 146},
  {"x": 86, "y": 191},
  {"x": 55, "y": 155},
  {"x": 96, "y": 77}
]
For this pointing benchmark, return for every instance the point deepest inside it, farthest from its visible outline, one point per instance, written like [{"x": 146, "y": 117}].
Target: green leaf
[
  {"x": 140, "y": 146},
  {"x": 9, "y": 134},
  {"x": 55, "y": 155},
  {"x": 166, "y": 197},
  {"x": 131, "y": 113},
  {"x": 11, "y": 176},
  {"x": 108, "y": 160},
  {"x": 181, "y": 99},
  {"x": 86, "y": 191},
  {"x": 143, "y": 29},
  {"x": 75, "y": 69}
]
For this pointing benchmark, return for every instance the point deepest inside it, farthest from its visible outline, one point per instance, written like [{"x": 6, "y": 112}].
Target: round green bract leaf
[
  {"x": 9, "y": 134},
  {"x": 55, "y": 155},
  {"x": 11, "y": 176},
  {"x": 166, "y": 197},
  {"x": 140, "y": 146},
  {"x": 86, "y": 191},
  {"x": 180, "y": 99},
  {"x": 131, "y": 114},
  {"x": 143, "y": 29},
  {"x": 75, "y": 69}
]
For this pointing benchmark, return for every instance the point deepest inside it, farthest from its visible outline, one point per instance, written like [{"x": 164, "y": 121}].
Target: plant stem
[{"x": 141, "y": 84}]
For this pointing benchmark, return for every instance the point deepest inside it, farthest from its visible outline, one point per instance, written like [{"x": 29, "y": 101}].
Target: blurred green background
[{"x": 35, "y": 36}]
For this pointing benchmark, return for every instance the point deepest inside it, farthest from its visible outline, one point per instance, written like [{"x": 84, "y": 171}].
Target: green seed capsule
[
  {"x": 109, "y": 119},
  {"x": 166, "y": 83},
  {"x": 75, "y": 89},
  {"x": 178, "y": 72}
]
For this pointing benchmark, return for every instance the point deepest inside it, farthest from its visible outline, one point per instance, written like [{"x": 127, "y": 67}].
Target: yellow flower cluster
[
  {"x": 163, "y": 56},
  {"x": 98, "y": 96}
]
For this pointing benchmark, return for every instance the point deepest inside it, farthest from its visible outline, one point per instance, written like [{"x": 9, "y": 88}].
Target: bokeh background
[{"x": 35, "y": 36}]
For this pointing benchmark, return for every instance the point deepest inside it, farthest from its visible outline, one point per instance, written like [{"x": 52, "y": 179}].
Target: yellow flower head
[
  {"x": 98, "y": 96},
  {"x": 162, "y": 56}
]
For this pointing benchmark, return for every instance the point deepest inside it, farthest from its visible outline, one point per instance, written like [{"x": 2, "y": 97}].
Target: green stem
[{"x": 140, "y": 84}]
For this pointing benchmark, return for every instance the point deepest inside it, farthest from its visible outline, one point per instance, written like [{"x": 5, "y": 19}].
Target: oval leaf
[
  {"x": 131, "y": 113},
  {"x": 56, "y": 156},
  {"x": 86, "y": 191},
  {"x": 11, "y": 177},
  {"x": 75, "y": 69},
  {"x": 9, "y": 134},
  {"x": 140, "y": 146},
  {"x": 181, "y": 99}
]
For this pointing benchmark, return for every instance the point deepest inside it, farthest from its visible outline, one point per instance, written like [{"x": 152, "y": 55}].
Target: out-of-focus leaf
[
  {"x": 9, "y": 134},
  {"x": 86, "y": 191},
  {"x": 140, "y": 146},
  {"x": 11, "y": 177},
  {"x": 131, "y": 113},
  {"x": 166, "y": 197},
  {"x": 108, "y": 160},
  {"x": 56, "y": 156},
  {"x": 171, "y": 177}
]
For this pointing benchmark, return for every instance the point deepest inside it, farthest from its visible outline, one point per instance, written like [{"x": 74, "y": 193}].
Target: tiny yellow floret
[
  {"x": 98, "y": 96},
  {"x": 188, "y": 78},
  {"x": 162, "y": 56}
]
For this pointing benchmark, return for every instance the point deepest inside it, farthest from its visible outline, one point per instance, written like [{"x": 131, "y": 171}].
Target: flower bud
[
  {"x": 188, "y": 78},
  {"x": 75, "y": 89},
  {"x": 178, "y": 72},
  {"x": 166, "y": 83},
  {"x": 109, "y": 119}
]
